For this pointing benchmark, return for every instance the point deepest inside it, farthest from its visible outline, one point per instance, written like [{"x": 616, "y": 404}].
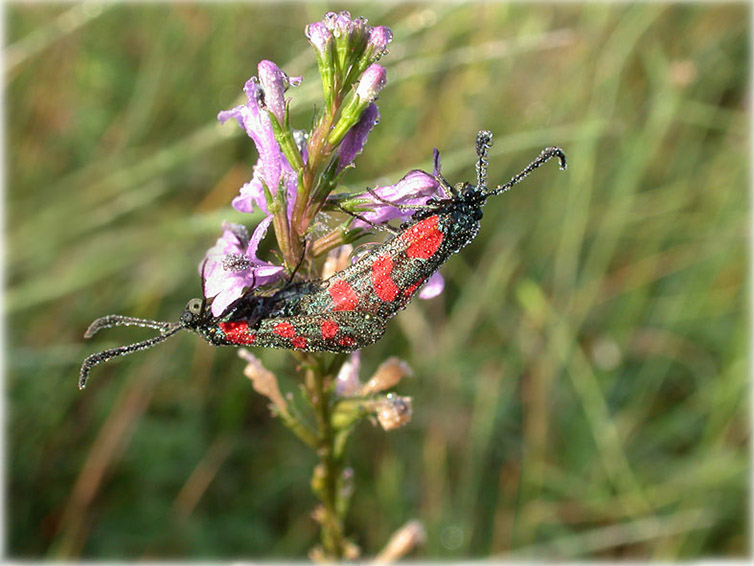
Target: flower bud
[
  {"x": 379, "y": 37},
  {"x": 403, "y": 541},
  {"x": 372, "y": 82},
  {"x": 320, "y": 37},
  {"x": 340, "y": 22},
  {"x": 346, "y": 484},
  {"x": 337, "y": 260},
  {"x": 434, "y": 286},
  {"x": 263, "y": 380},
  {"x": 388, "y": 375},
  {"x": 274, "y": 83},
  {"x": 394, "y": 411},
  {"x": 347, "y": 381}
]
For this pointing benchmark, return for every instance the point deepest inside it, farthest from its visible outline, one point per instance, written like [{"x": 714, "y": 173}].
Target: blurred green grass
[{"x": 581, "y": 386}]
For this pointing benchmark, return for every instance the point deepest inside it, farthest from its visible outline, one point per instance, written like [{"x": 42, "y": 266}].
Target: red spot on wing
[
  {"x": 410, "y": 291},
  {"x": 298, "y": 342},
  {"x": 329, "y": 329},
  {"x": 344, "y": 297},
  {"x": 347, "y": 341},
  {"x": 237, "y": 332},
  {"x": 284, "y": 329},
  {"x": 384, "y": 286},
  {"x": 424, "y": 238},
  {"x": 245, "y": 338},
  {"x": 233, "y": 327}
]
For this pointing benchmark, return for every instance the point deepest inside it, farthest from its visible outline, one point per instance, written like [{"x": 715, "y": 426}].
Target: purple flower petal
[
  {"x": 272, "y": 169},
  {"x": 223, "y": 299},
  {"x": 231, "y": 267},
  {"x": 267, "y": 272},
  {"x": 274, "y": 83},
  {"x": 415, "y": 184},
  {"x": 252, "y": 193},
  {"x": 256, "y": 237},
  {"x": 225, "y": 283},
  {"x": 354, "y": 140},
  {"x": 413, "y": 189},
  {"x": 258, "y": 127},
  {"x": 347, "y": 382},
  {"x": 433, "y": 287}
]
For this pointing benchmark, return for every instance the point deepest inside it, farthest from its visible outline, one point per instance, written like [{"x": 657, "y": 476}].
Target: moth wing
[
  {"x": 386, "y": 279},
  {"x": 339, "y": 331}
]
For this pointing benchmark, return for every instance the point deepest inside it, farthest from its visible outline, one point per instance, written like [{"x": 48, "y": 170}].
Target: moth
[{"x": 350, "y": 309}]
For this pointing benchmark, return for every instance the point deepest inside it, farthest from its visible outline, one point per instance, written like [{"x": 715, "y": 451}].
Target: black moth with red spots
[{"x": 349, "y": 310}]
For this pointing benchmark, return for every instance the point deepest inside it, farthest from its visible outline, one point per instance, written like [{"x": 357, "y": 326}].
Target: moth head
[{"x": 195, "y": 313}]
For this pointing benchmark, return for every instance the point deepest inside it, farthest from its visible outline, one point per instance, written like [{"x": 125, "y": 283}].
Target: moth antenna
[
  {"x": 483, "y": 144},
  {"x": 547, "y": 154},
  {"x": 116, "y": 320},
  {"x": 105, "y": 355}
]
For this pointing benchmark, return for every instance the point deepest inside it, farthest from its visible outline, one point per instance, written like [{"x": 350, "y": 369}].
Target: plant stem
[{"x": 327, "y": 474}]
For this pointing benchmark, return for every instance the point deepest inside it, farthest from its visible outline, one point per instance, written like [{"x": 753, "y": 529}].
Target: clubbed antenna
[
  {"x": 116, "y": 320},
  {"x": 167, "y": 329},
  {"x": 547, "y": 154},
  {"x": 483, "y": 144}
]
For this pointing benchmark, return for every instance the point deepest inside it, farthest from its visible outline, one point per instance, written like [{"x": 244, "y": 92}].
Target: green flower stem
[
  {"x": 327, "y": 473},
  {"x": 284, "y": 137},
  {"x": 353, "y": 108},
  {"x": 319, "y": 151},
  {"x": 332, "y": 240},
  {"x": 282, "y": 233},
  {"x": 298, "y": 428}
]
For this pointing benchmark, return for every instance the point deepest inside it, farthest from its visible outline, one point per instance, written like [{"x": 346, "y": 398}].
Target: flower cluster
[
  {"x": 291, "y": 183},
  {"x": 297, "y": 170}
]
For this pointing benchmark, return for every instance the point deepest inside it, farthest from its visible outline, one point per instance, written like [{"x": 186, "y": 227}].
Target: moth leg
[
  {"x": 386, "y": 227},
  {"x": 403, "y": 207}
]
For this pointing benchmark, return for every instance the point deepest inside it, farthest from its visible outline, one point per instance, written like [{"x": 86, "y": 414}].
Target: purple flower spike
[
  {"x": 231, "y": 267},
  {"x": 354, "y": 140},
  {"x": 434, "y": 286},
  {"x": 372, "y": 82},
  {"x": 413, "y": 189},
  {"x": 274, "y": 83}
]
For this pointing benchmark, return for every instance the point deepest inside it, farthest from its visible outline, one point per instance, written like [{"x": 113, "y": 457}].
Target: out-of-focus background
[{"x": 580, "y": 388}]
